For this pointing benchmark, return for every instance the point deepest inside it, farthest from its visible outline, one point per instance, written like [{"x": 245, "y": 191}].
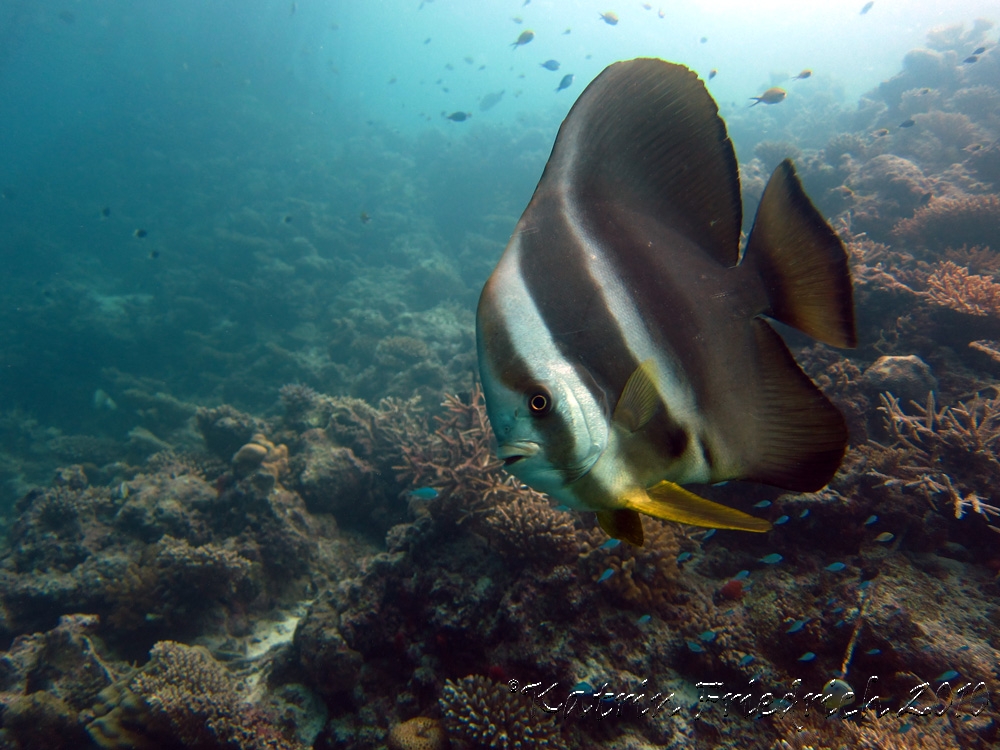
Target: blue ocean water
[{"x": 221, "y": 222}]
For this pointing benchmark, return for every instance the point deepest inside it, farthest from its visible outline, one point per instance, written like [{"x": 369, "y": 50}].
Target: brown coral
[
  {"x": 419, "y": 733},
  {"x": 529, "y": 528},
  {"x": 184, "y": 695},
  {"x": 489, "y": 715},
  {"x": 950, "y": 222},
  {"x": 952, "y": 286}
]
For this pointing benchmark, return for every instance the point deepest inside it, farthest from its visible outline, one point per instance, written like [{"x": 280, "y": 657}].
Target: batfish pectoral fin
[
  {"x": 671, "y": 502},
  {"x": 639, "y": 398},
  {"x": 622, "y": 524}
]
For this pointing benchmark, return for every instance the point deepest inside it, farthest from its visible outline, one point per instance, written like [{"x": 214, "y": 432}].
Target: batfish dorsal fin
[
  {"x": 800, "y": 437},
  {"x": 647, "y": 134},
  {"x": 802, "y": 261}
]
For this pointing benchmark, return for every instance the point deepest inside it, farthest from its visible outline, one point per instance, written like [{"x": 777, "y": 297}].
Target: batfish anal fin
[
  {"x": 622, "y": 524},
  {"x": 802, "y": 262},
  {"x": 671, "y": 502},
  {"x": 799, "y": 437},
  {"x": 639, "y": 398},
  {"x": 646, "y": 135}
]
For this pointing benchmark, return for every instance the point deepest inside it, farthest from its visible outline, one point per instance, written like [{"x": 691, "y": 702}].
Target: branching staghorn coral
[
  {"x": 488, "y": 714},
  {"x": 947, "y": 450},
  {"x": 458, "y": 461},
  {"x": 952, "y": 286}
]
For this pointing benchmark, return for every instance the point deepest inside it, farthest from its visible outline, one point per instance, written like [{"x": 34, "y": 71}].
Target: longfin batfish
[{"x": 624, "y": 347}]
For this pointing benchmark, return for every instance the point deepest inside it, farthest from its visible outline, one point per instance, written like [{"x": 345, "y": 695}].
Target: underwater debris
[{"x": 488, "y": 715}]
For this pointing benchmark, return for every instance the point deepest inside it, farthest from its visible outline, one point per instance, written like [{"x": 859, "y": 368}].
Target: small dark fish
[
  {"x": 526, "y": 36},
  {"x": 771, "y": 96},
  {"x": 647, "y": 6},
  {"x": 881, "y": 132},
  {"x": 550, "y": 64},
  {"x": 979, "y": 50},
  {"x": 610, "y": 18},
  {"x": 971, "y": 59},
  {"x": 517, "y": 20},
  {"x": 458, "y": 116},
  {"x": 106, "y": 212},
  {"x": 565, "y": 83},
  {"x": 908, "y": 123},
  {"x": 365, "y": 218},
  {"x": 291, "y": 11},
  {"x": 287, "y": 219},
  {"x": 703, "y": 40},
  {"x": 567, "y": 32},
  {"x": 803, "y": 75},
  {"x": 468, "y": 60},
  {"x": 392, "y": 80},
  {"x": 867, "y": 7},
  {"x": 140, "y": 233},
  {"x": 427, "y": 40},
  {"x": 154, "y": 254},
  {"x": 67, "y": 17},
  {"x": 712, "y": 74},
  {"x": 525, "y": 3},
  {"x": 661, "y": 14}
]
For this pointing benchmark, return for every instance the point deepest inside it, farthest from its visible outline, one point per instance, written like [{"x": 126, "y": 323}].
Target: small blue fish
[
  {"x": 565, "y": 83},
  {"x": 424, "y": 493},
  {"x": 804, "y": 513},
  {"x": 564, "y": 508},
  {"x": 798, "y": 625},
  {"x": 771, "y": 559},
  {"x": 763, "y": 504},
  {"x": 695, "y": 647},
  {"x": 870, "y": 520},
  {"x": 963, "y": 648},
  {"x": 837, "y": 611},
  {"x": 951, "y": 674},
  {"x": 807, "y": 656},
  {"x": 583, "y": 687},
  {"x": 611, "y": 544},
  {"x": 683, "y": 557},
  {"x": 838, "y": 624},
  {"x": 746, "y": 660},
  {"x": 905, "y": 727},
  {"x": 606, "y": 575},
  {"x": 707, "y": 636},
  {"x": 835, "y": 567},
  {"x": 644, "y": 620},
  {"x": 780, "y": 520},
  {"x": 873, "y": 651},
  {"x": 864, "y": 585},
  {"x": 885, "y": 537},
  {"x": 742, "y": 575},
  {"x": 708, "y": 535}
]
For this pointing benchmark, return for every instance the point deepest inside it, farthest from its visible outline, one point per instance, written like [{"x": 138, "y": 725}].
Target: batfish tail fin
[
  {"x": 670, "y": 502},
  {"x": 802, "y": 262}
]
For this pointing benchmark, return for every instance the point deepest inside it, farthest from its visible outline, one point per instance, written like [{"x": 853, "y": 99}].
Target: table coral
[{"x": 487, "y": 714}]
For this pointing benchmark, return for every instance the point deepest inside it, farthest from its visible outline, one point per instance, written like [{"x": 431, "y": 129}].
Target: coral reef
[
  {"x": 953, "y": 222},
  {"x": 486, "y": 714},
  {"x": 418, "y": 733}
]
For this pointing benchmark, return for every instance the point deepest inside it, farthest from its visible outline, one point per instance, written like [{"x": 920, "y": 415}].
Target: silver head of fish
[{"x": 550, "y": 423}]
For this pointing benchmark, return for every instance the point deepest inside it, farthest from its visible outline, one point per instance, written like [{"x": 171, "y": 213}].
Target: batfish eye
[{"x": 539, "y": 402}]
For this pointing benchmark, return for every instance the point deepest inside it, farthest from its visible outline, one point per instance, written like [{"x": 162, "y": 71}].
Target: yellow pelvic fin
[
  {"x": 622, "y": 524},
  {"x": 671, "y": 502},
  {"x": 639, "y": 398}
]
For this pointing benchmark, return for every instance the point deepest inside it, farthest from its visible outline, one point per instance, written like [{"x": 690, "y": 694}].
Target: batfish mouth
[{"x": 512, "y": 453}]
